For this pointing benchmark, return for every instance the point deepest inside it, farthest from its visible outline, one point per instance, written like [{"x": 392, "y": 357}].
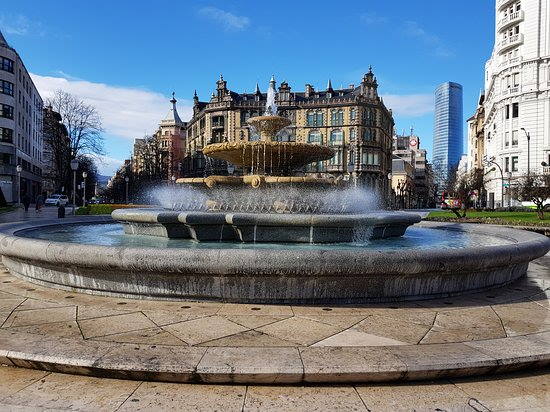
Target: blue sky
[{"x": 127, "y": 56}]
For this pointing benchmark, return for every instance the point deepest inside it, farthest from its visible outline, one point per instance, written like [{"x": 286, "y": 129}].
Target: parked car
[{"x": 57, "y": 200}]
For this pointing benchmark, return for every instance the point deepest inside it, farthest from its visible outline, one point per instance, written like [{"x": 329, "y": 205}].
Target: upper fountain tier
[{"x": 267, "y": 155}]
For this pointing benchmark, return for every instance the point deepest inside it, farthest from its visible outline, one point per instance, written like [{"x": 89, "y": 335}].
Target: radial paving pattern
[{"x": 521, "y": 308}]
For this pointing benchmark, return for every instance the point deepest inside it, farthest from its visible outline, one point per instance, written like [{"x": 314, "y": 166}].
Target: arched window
[
  {"x": 336, "y": 137},
  {"x": 315, "y": 137}
]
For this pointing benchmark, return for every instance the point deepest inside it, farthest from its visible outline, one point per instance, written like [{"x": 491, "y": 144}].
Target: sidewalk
[{"x": 20, "y": 214}]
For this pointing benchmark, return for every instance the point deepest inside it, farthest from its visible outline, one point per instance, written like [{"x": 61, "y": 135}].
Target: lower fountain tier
[{"x": 258, "y": 227}]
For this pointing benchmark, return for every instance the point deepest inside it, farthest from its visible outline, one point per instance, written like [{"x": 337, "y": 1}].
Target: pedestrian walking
[
  {"x": 39, "y": 202},
  {"x": 26, "y": 199}
]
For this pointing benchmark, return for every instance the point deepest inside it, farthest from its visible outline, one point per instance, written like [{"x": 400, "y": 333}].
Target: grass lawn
[{"x": 517, "y": 218}]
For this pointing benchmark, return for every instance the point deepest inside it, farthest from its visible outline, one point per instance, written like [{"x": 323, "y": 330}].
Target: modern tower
[
  {"x": 448, "y": 137},
  {"x": 21, "y": 141},
  {"x": 517, "y": 96}
]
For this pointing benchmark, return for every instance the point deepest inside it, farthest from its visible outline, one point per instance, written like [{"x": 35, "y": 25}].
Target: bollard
[{"x": 61, "y": 211}]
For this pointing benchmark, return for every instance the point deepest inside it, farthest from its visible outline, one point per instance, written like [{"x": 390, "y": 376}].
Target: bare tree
[
  {"x": 82, "y": 122},
  {"x": 536, "y": 189}
]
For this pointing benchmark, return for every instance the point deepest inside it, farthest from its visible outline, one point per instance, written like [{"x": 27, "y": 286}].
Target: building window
[
  {"x": 515, "y": 110},
  {"x": 506, "y": 164},
  {"x": 353, "y": 134},
  {"x": 6, "y": 135},
  {"x": 6, "y": 87},
  {"x": 369, "y": 135},
  {"x": 315, "y": 137},
  {"x": 336, "y": 160},
  {"x": 514, "y": 163},
  {"x": 315, "y": 118},
  {"x": 351, "y": 157},
  {"x": 353, "y": 114},
  {"x": 507, "y": 111},
  {"x": 506, "y": 139},
  {"x": 370, "y": 158},
  {"x": 6, "y": 111},
  {"x": 6, "y": 64},
  {"x": 336, "y": 117},
  {"x": 336, "y": 137},
  {"x": 514, "y": 138},
  {"x": 369, "y": 116}
]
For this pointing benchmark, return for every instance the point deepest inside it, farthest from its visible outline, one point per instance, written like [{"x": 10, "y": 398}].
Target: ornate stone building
[
  {"x": 476, "y": 135},
  {"x": 161, "y": 155},
  {"x": 354, "y": 121}
]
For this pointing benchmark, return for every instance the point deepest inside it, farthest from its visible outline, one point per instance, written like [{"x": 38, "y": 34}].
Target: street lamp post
[
  {"x": 492, "y": 161},
  {"x": 19, "y": 169},
  {"x": 74, "y": 168},
  {"x": 126, "y": 179},
  {"x": 84, "y": 176},
  {"x": 528, "y": 151},
  {"x": 509, "y": 175}
]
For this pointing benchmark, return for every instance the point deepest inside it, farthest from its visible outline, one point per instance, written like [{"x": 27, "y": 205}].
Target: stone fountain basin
[
  {"x": 269, "y": 155},
  {"x": 264, "y": 227},
  {"x": 282, "y": 275}
]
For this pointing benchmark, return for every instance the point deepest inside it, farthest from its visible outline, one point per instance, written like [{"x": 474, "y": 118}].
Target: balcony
[
  {"x": 510, "y": 42},
  {"x": 546, "y": 169},
  {"x": 510, "y": 19},
  {"x": 510, "y": 91},
  {"x": 503, "y": 3},
  {"x": 510, "y": 62}
]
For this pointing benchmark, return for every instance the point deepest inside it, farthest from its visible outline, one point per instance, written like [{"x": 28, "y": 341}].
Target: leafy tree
[{"x": 536, "y": 189}]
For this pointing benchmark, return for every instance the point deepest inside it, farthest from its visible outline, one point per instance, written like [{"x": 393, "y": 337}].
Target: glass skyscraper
[{"x": 448, "y": 138}]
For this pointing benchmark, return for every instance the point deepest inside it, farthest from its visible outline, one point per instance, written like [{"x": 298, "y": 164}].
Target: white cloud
[
  {"x": 126, "y": 112},
  {"x": 410, "y": 105},
  {"x": 413, "y": 29},
  {"x": 228, "y": 20},
  {"x": 107, "y": 166},
  {"x": 371, "y": 19},
  {"x": 18, "y": 25}
]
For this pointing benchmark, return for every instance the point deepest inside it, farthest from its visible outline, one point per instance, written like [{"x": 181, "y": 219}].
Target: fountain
[
  {"x": 268, "y": 236},
  {"x": 281, "y": 207}
]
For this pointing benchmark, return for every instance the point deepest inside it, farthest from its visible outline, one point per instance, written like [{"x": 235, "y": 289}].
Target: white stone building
[{"x": 517, "y": 97}]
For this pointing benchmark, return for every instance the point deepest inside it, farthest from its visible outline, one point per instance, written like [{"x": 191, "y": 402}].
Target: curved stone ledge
[
  {"x": 264, "y": 227},
  {"x": 270, "y": 276},
  {"x": 285, "y": 365}
]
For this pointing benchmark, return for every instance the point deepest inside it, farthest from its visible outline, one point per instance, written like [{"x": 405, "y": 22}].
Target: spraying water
[{"x": 277, "y": 200}]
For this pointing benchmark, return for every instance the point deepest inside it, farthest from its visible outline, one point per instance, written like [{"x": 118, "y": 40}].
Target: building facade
[
  {"x": 21, "y": 143},
  {"x": 476, "y": 136},
  {"x": 448, "y": 135},
  {"x": 407, "y": 148},
  {"x": 517, "y": 94},
  {"x": 161, "y": 155},
  {"x": 353, "y": 121}
]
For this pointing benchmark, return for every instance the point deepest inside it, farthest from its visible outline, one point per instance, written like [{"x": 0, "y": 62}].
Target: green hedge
[{"x": 101, "y": 209}]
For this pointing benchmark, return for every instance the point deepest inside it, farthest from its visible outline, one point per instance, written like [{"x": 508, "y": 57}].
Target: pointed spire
[
  {"x": 329, "y": 86},
  {"x": 370, "y": 69},
  {"x": 195, "y": 94},
  {"x": 272, "y": 79},
  {"x": 172, "y": 118},
  {"x": 3, "y": 40},
  {"x": 257, "y": 91},
  {"x": 221, "y": 77}
]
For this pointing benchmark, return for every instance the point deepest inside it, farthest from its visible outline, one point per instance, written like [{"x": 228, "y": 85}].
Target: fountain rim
[{"x": 524, "y": 246}]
